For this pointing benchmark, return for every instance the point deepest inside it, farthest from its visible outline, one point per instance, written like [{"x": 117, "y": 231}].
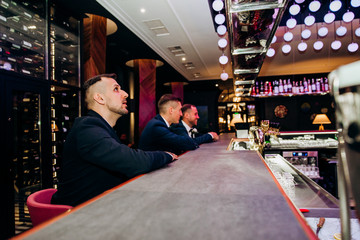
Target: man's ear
[{"x": 98, "y": 97}]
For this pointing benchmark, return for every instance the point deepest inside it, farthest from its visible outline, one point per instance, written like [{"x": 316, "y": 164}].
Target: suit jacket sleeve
[
  {"x": 100, "y": 148},
  {"x": 181, "y": 130}
]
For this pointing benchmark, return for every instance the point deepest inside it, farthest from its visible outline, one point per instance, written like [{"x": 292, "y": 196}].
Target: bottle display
[
  {"x": 22, "y": 37},
  {"x": 281, "y": 86},
  {"x": 64, "y": 110}
]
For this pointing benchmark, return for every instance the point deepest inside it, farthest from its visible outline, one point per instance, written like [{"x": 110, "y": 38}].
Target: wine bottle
[
  {"x": 306, "y": 90},
  {"x": 309, "y": 86},
  {"x": 313, "y": 86},
  {"x": 301, "y": 87},
  {"x": 281, "y": 87},
  {"x": 318, "y": 89},
  {"x": 289, "y": 85},
  {"x": 326, "y": 85},
  {"x": 276, "y": 87}
]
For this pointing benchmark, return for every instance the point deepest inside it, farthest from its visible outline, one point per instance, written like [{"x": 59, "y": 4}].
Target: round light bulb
[
  {"x": 274, "y": 39},
  {"x": 306, "y": 33},
  {"x": 218, "y": 5},
  {"x": 309, "y": 20},
  {"x": 223, "y": 60},
  {"x": 294, "y": 9},
  {"x": 286, "y": 48},
  {"x": 329, "y": 17},
  {"x": 336, "y": 45},
  {"x": 314, "y": 6},
  {"x": 302, "y": 46},
  {"x": 291, "y": 23},
  {"x": 318, "y": 45},
  {"x": 224, "y": 76},
  {"x": 288, "y": 36},
  {"x": 341, "y": 31},
  {"x": 7, "y": 66},
  {"x": 335, "y": 5},
  {"x": 323, "y": 31},
  {"x": 348, "y": 16},
  {"x": 270, "y": 52},
  {"x": 357, "y": 32},
  {"x": 299, "y": 1},
  {"x": 355, "y": 3},
  {"x": 222, "y": 43},
  {"x": 221, "y": 30},
  {"x": 353, "y": 47},
  {"x": 220, "y": 18}
]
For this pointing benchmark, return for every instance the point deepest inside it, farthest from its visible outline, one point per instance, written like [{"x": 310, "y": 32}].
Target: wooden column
[{"x": 94, "y": 46}]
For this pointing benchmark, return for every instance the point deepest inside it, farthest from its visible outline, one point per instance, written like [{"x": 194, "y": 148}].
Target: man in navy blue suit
[
  {"x": 94, "y": 158},
  {"x": 186, "y": 126},
  {"x": 157, "y": 134}
]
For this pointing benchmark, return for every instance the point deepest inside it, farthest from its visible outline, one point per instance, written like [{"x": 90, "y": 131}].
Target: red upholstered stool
[{"x": 41, "y": 209}]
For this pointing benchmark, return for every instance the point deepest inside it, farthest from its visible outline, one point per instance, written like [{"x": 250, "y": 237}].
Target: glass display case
[{"x": 23, "y": 37}]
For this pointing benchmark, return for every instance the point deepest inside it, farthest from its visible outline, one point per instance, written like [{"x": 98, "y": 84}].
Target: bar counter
[{"x": 208, "y": 193}]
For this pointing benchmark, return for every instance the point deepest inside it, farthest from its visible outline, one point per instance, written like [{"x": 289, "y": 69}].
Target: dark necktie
[{"x": 192, "y": 133}]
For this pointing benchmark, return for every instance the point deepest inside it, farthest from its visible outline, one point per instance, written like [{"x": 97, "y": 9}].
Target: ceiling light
[
  {"x": 222, "y": 43},
  {"x": 318, "y": 45},
  {"x": 142, "y": 10},
  {"x": 323, "y": 31},
  {"x": 218, "y": 5},
  {"x": 220, "y": 18},
  {"x": 274, "y": 39},
  {"x": 221, "y": 30},
  {"x": 299, "y": 1},
  {"x": 341, "y": 31},
  {"x": 306, "y": 33},
  {"x": 357, "y": 32},
  {"x": 223, "y": 59},
  {"x": 224, "y": 76},
  {"x": 335, "y": 45},
  {"x": 294, "y": 9},
  {"x": 348, "y": 16},
  {"x": 288, "y": 36},
  {"x": 270, "y": 52},
  {"x": 355, "y": 3},
  {"x": 302, "y": 46},
  {"x": 335, "y": 5},
  {"x": 314, "y": 6},
  {"x": 329, "y": 17},
  {"x": 291, "y": 23},
  {"x": 353, "y": 47},
  {"x": 286, "y": 48},
  {"x": 183, "y": 59},
  {"x": 309, "y": 20}
]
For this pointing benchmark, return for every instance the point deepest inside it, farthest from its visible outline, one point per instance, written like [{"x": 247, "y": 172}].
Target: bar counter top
[{"x": 208, "y": 193}]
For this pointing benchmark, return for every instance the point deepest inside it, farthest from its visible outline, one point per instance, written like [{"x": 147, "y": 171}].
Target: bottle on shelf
[
  {"x": 289, "y": 86},
  {"x": 276, "y": 87},
  {"x": 313, "y": 86},
  {"x": 281, "y": 87},
  {"x": 318, "y": 88},
  {"x": 326, "y": 84},
  {"x": 306, "y": 90},
  {"x": 301, "y": 87}
]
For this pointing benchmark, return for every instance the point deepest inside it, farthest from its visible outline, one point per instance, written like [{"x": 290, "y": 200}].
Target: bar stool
[{"x": 40, "y": 207}]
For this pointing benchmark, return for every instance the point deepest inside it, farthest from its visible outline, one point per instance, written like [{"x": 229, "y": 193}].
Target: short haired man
[
  {"x": 157, "y": 135},
  {"x": 186, "y": 126},
  {"x": 94, "y": 158}
]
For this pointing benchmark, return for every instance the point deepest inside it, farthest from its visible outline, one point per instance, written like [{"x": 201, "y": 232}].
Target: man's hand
[
  {"x": 214, "y": 136},
  {"x": 173, "y": 155}
]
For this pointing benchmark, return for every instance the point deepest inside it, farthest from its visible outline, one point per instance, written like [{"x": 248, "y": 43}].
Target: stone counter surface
[{"x": 209, "y": 193}]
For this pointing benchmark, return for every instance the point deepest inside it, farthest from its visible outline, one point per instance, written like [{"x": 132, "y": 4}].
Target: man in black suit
[
  {"x": 157, "y": 135},
  {"x": 94, "y": 158},
  {"x": 186, "y": 126}
]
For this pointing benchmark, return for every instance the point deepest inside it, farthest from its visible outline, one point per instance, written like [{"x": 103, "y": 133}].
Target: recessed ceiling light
[
  {"x": 318, "y": 45},
  {"x": 286, "y": 48},
  {"x": 329, "y": 17},
  {"x": 309, "y": 20},
  {"x": 348, "y": 16},
  {"x": 341, "y": 31},
  {"x": 142, "y": 10},
  {"x": 302, "y": 46},
  {"x": 291, "y": 23},
  {"x": 218, "y": 5},
  {"x": 355, "y": 3},
  {"x": 306, "y": 33},
  {"x": 274, "y": 39},
  {"x": 222, "y": 43},
  {"x": 223, "y": 59},
  {"x": 335, "y": 5},
  {"x": 220, "y": 18},
  {"x": 183, "y": 59},
  {"x": 323, "y": 31},
  {"x": 294, "y": 9},
  {"x": 221, "y": 30},
  {"x": 288, "y": 36},
  {"x": 357, "y": 32},
  {"x": 314, "y": 6},
  {"x": 299, "y": 1},
  {"x": 353, "y": 47},
  {"x": 336, "y": 45},
  {"x": 224, "y": 76},
  {"x": 270, "y": 52}
]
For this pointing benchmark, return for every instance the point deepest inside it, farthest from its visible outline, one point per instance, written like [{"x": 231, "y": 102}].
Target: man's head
[
  {"x": 104, "y": 94},
  {"x": 190, "y": 115},
  {"x": 170, "y": 108}
]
